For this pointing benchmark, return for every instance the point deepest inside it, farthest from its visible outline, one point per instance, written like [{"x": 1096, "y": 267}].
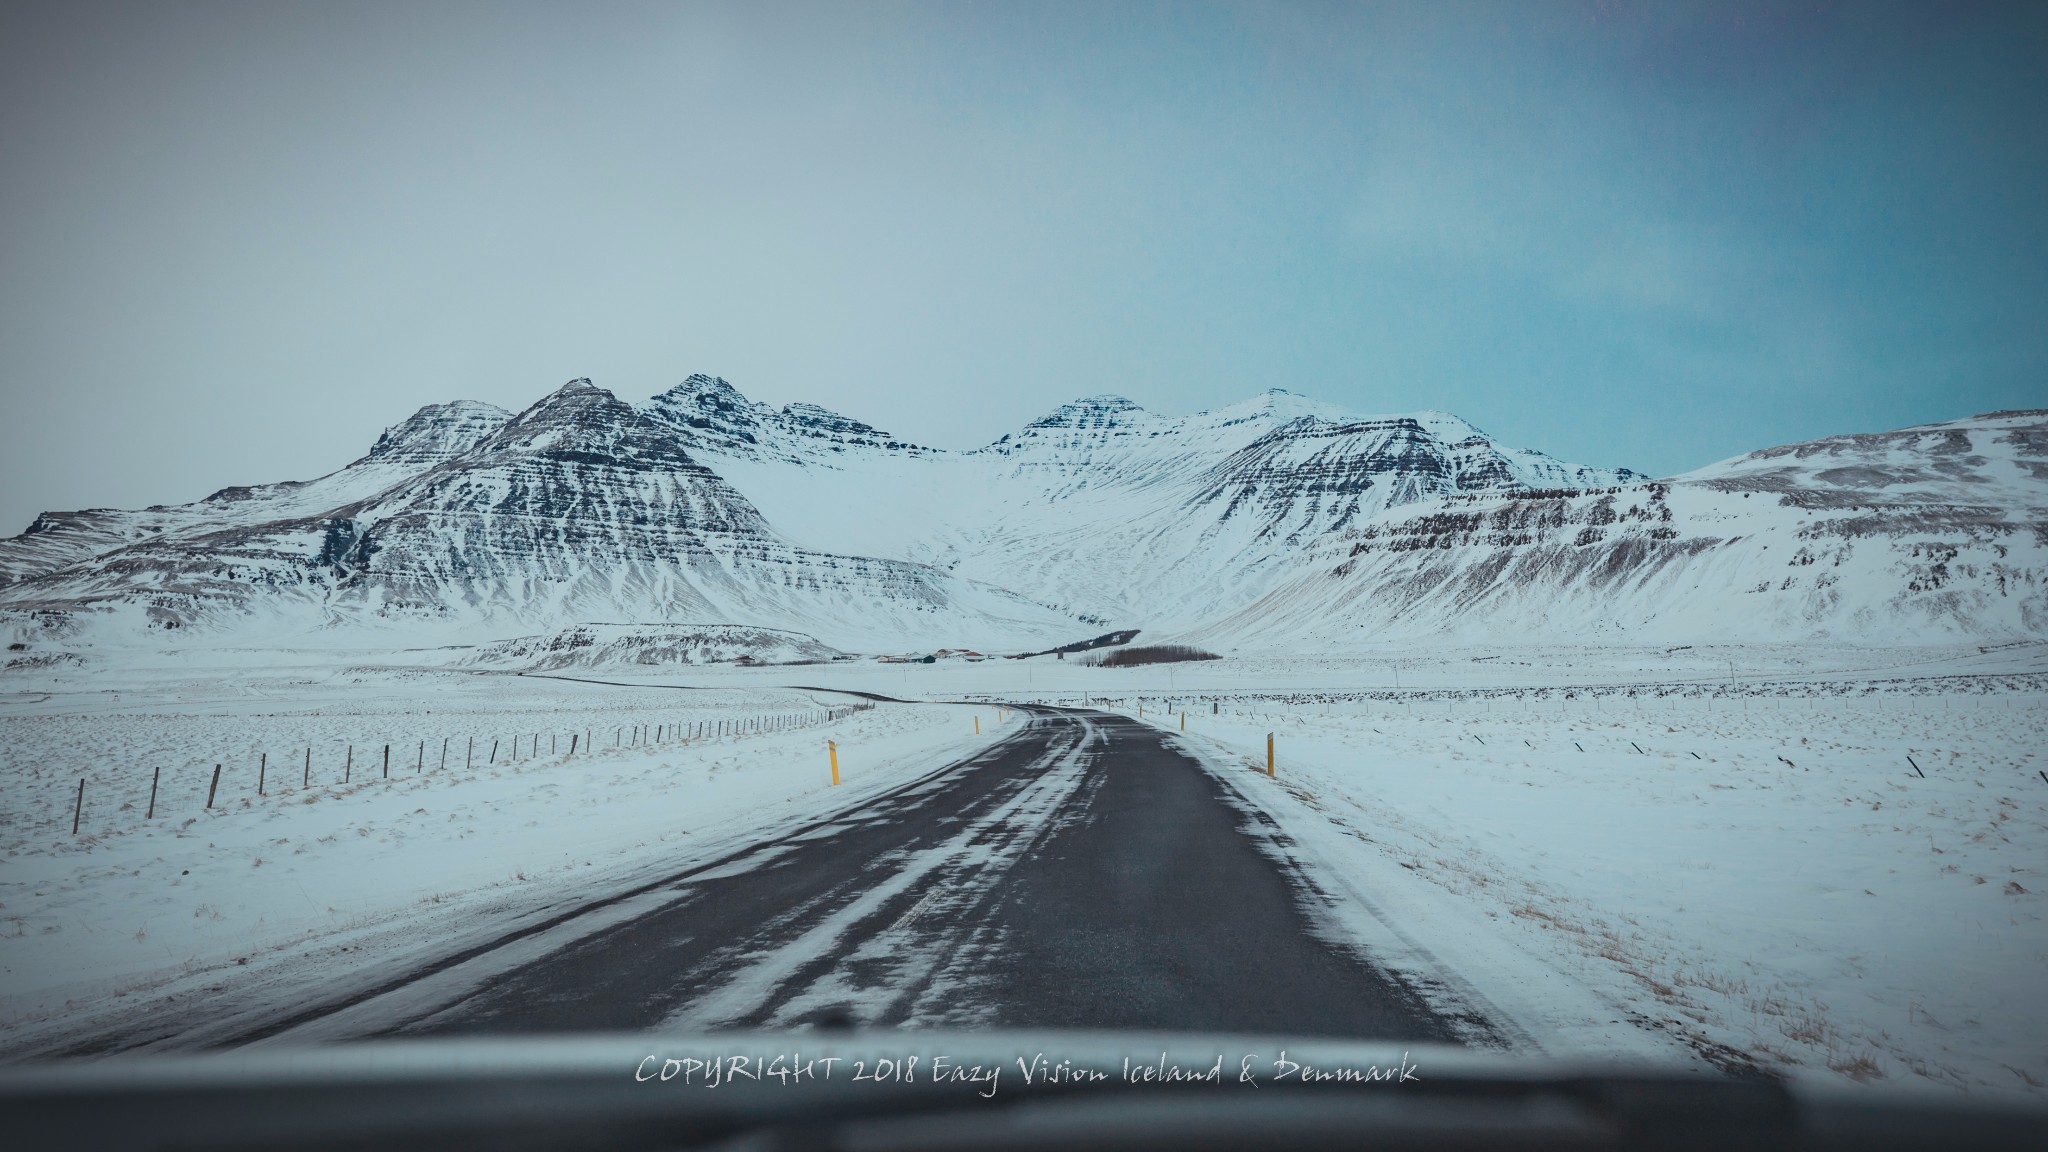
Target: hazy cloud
[{"x": 236, "y": 240}]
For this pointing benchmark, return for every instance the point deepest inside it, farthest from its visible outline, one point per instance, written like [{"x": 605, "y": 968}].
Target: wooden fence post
[
  {"x": 444, "y": 754},
  {"x": 1269, "y": 753},
  {"x": 262, "y": 770},
  {"x": 213, "y": 787},
  {"x": 387, "y": 761},
  {"x": 421, "y": 766},
  {"x": 307, "y": 778},
  {"x": 348, "y": 766},
  {"x": 78, "y": 806},
  {"x": 153, "y": 778}
]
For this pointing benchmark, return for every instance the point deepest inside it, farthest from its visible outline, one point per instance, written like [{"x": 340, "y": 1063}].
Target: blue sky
[{"x": 238, "y": 240}]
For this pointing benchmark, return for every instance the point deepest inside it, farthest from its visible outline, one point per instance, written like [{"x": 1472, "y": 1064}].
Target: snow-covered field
[
  {"x": 1766, "y": 880},
  {"x": 1608, "y": 846},
  {"x": 1748, "y": 865},
  {"x": 1727, "y": 851},
  {"x": 247, "y": 904}
]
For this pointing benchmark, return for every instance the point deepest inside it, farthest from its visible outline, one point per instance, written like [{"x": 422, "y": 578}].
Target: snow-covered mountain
[
  {"x": 437, "y": 432},
  {"x": 581, "y": 508},
  {"x": 1129, "y": 517},
  {"x": 712, "y": 417},
  {"x": 1932, "y": 533},
  {"x": 1276, "y": 521}
]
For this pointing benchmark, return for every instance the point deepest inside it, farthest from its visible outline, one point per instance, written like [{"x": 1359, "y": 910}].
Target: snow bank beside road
[
  {"x": 1764, "y": 881},
  {"x": 291, "y": 896}
]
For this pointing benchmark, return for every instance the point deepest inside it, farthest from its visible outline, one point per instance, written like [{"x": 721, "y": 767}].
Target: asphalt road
[{"x": 1080, "y": 873}]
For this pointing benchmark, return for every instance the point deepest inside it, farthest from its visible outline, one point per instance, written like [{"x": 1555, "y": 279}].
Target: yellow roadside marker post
[
  {"x": 1183, "y": 721},
  {"x": 832, "y": 748},
  {"x": 1269, "y": 753},
  {"x": 977, "y": 725}
]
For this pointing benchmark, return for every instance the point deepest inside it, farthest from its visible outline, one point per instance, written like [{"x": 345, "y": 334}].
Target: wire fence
[{"x": 100, "y": 799}]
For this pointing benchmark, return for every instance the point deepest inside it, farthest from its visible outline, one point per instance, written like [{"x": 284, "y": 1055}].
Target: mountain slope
[
  {"x": 1938, "y": 532},
  {"x": 1126, "y": 516}
]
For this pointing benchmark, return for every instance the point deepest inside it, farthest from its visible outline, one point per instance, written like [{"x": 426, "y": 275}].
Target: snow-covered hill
[
  {"x": 602, "y": 646},
  {"x": 1938, "y": 532}
]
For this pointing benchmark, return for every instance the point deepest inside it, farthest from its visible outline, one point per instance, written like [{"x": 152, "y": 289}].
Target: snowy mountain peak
[
  {"x": 711, "y": 414},
  {"x": 1287, "y": 405},
  {"x": 1091, "y": 412},
  {"x": 438, "y": 432},
  {"x": 1272, "y": 407},
  {"x": 715, "y": 417},
  {"x": 836, "y": 433},
  {"x": 582, "y": 422},
  {"x": 1313, "y": 476},
  {"x": 559, "y": 407},
  {"x": 703, "y": 392}
]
